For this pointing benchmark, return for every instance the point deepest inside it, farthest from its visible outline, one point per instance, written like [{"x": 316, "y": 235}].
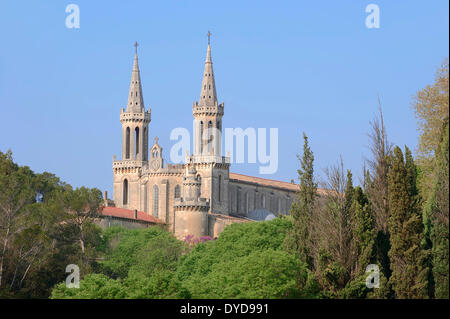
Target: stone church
[{"x": 199, "y": 197}]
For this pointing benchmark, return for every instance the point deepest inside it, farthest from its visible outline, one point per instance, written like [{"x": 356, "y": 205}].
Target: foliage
[
  {"x": 37, "y": 238},
  {"x": 142, "y": 250}
]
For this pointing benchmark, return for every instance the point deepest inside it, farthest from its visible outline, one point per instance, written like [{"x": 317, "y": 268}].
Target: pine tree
[
  {"x": 407, "y": 258},
  {"x": 298, "y": 239}
]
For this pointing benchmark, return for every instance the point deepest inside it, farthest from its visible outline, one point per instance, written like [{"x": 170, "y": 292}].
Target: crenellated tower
[{"x": 135, "y": 121}]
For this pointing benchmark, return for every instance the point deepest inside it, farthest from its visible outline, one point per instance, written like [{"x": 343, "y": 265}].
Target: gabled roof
[{"x": 128, "y": 214}]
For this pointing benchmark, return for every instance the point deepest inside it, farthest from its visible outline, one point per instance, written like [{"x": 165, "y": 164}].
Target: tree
[
  {"x": 437, "y": 208},
  {"x": 36, "y": 240},
  {"x": 431, "y": 109},
  {"x": 381, "y": 150},
  {"x": 298, "y": 239},
  {"x": 409, "y": 271},
  {"x": 363, "y": 232},
  {"x": 376, "y": 184},
  {"x": 15, "y": 195},
  {"x": 331, "y": 231},
  {"x": 81, "y": 208}
]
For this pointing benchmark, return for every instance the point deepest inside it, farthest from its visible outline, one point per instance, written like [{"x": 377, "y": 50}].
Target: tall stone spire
[
  {"x": 135, "y": 97},
  {"x": 208, "y": 95}
]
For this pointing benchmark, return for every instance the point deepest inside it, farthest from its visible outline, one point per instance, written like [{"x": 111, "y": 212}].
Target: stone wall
[{"x": 251, "y": 193}]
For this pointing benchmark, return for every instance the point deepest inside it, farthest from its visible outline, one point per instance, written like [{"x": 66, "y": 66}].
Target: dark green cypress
[
  {"x": 298, "y": 239},
  {"x": 408, "y": 260}
]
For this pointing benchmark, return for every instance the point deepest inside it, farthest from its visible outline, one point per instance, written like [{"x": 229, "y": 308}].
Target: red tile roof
[{"x": 129, "y": 214}]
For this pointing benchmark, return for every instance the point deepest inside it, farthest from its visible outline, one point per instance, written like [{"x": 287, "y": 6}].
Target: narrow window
[
  {"x": 201, "y": 137},
  {"x": 219, "y": 189},
  {"x": 127, "y": 143},
  {"x": 155, "y": 200},
  {"x": 199, "y": 178},
  {"x": 145, "y": 198},
  {"x": 246, "y": 203},
  {"x": 177, "y": 191},
  {"x": 136, "y": 133},
  {"x": 125, "y": 192},
  {"x": 145, "y": 150},
  {"x": 238, "y": 199}
]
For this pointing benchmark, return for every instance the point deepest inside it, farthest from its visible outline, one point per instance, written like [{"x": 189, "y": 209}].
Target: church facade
[{"x": 201, "y": 196}]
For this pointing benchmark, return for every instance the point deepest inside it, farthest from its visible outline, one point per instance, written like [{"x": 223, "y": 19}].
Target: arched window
[
  {"x": 136, "y": 134},
  {"x": 177, "y": 192},
  {"x": 201, "y": 137},
  {"x": 125, "y": 192},
  {"x": 155, "y": 200},
  {"x": 127, "y": 143},
  {"x": 219, "y": 188},
  {"x": 145, "y": 198},
  {"x": 145, "y": 150},
  {"x": 210, "y": 136}
]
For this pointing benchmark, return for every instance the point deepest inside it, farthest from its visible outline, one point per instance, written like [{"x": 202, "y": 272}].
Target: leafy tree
[
  {"x": 141, "y": 250},
  {"x": 237, "y": 240},
  {"x": 15, "y": 195},
  {"x": 36, "y": 237},
  {"x": 93, "y": 286},
  {"x": 261, "y": 274},
  {"x": 431, "y": 109}
]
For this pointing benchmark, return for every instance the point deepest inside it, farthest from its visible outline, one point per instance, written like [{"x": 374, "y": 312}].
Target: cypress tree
[
  {"x": 409, "y": 272},
  {"x": 298, "y": 239},
  {"x": 440, "y": 218}
]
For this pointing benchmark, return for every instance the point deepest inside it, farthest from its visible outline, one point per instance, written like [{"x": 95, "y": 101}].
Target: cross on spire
[
  {"x": 136, "y": 46},
  {"x": 209, "y": 37}
]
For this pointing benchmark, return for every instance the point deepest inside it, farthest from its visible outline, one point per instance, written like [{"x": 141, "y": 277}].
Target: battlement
[
  {"x": 135, "y": 117},
  {"x": 207, "y": 109},
  {"x": 200, "y": 204}
]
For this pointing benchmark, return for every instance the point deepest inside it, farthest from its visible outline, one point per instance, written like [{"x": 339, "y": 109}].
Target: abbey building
[{"x": 199, "y": 197}]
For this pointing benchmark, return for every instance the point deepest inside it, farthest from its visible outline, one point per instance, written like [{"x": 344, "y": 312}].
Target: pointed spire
[
  {"x": 135, "y": 97},
  {"x": 208, "y": 95}
]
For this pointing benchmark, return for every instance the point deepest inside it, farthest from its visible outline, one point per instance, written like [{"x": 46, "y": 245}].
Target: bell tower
[
  {"x": 135, "y": 121},
  {"x": 208, "y": 113},
  {"x": 211, "y": 167}
]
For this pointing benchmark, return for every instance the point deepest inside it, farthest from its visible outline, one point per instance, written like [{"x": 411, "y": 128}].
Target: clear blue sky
[{"x": 307, "y": 66}]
